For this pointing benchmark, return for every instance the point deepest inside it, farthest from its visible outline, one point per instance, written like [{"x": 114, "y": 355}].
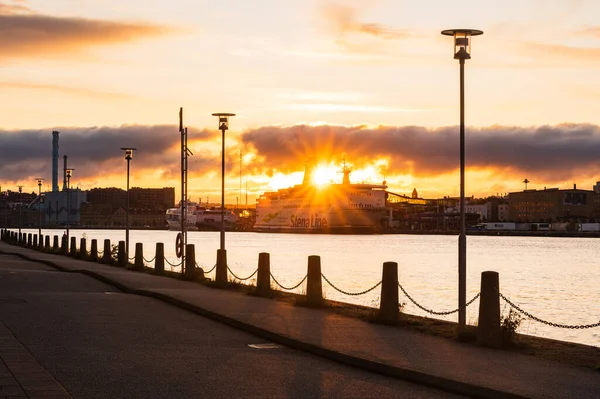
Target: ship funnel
[
  {"x": 54, "y": 161},
  {"x": 308, "y": 171}
]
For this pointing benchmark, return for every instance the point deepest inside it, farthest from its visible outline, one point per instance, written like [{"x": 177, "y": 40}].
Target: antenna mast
[{"x": 185, "y": 152}]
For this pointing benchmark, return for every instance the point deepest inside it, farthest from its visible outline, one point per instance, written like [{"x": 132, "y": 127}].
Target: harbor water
[{"x": 554, "y": 279}]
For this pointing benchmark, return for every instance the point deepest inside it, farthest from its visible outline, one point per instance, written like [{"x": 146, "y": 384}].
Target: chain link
[
  {"x": 100, "y": 253},
  {"x": 172, "y": 265},
  {"x": 213, "y": 268},
  {"x": 432, "y": 311},
  {"x": 350, "y": 293},
  {"x": 239, "y": 278},
  {"x": 151, "y": 260},
  {"x": 575, "y": 327},
  {"x": 286, "y": 288},
  {"x": 133, "y": 258}
]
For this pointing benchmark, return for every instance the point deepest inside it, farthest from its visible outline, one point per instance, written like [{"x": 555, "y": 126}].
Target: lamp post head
[
  {"x": 20, "y": 189},
  {"x": 223, "y": 120},
  {"x": 129, "y": 152},
  {"x": 69, "y": 173},
  {"x": 39, "y": 180},
  {"x": 462, "y": 41}
]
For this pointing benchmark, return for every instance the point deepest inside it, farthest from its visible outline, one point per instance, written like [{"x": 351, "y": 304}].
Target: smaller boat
[
  {"x": 210, "y": 219},
  {"x": 173, "y": 217},
  {"x": 201, "y": 218}
]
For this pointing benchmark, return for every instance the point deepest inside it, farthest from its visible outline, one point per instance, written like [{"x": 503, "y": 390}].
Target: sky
[{"x": 371, "y": 82}]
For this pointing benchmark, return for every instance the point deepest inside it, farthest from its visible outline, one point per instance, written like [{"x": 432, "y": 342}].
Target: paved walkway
[
  {"x": 435, "y": 361},
  {"x": 21, "y": 376}
]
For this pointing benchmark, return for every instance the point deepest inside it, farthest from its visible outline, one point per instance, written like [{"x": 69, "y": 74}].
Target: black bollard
[
  {"x": 388, "y": 308},
  {"x": 29, "y": 239},
  {"x": 139, "y": 257},
  {"x": 73, "y": 247},
  {"x": 314, "y": 286},
  {"x": 64, "y": 245},
  {"x": 94, "y": 250},
  {"x": 107, "y": 255},
  {"x": 159, "y": 261},
  {"x": 221, "y": 273},
  {"x": 122, "y": 255},
  {"x": 190, "y": 261},
  {"x": 263, "y": 281},
  {"x": 55, "y": 243},
  {"x": 83, "y": 249},
  {"x": 47, "y": 243},
  {"x": 489, "y": 331},
  {"x": 35, "y": 242}
]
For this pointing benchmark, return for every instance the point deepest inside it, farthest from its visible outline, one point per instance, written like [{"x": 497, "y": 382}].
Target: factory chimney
[
  {"x": 54, "y": 161},
  {"x": 65, "y": 173}
]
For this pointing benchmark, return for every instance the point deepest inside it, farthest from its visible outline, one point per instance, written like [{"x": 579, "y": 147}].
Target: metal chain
[
  {"x": 100, "y": 253},
  {"x": 286, "y": 288},
  {"x": 350, "y": 293},
  {"x": 213, "y": 268},
  {"x": 432, "y": 311},
  {"x": 575, "y": 327},
  {"x": 151, "y": 260},
  {"x": 132, "y": 258},
  {"x": 172, "y": 265},
  {"x": 239, "y": 278}
]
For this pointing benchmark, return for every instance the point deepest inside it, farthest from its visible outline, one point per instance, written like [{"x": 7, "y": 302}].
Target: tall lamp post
[
  {"x": 6, "y": 209},
  {"x": 68, "y": 174},
  {"x": 462, "y": 52},
  {"x": 223, "y": 126},
  {"x": 526, "y": 202},
  {"x": 20, "y": 207},
  {"x": 39, "y": 181},
  {"x": 128, "y": 156}
]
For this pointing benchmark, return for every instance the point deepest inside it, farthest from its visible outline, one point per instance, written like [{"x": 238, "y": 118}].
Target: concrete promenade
[{"x": 438, "y": 362}]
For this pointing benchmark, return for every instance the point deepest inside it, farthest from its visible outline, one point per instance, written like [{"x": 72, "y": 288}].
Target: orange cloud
[
  {"x": 344, "y": 20},
  {"x": 16, "y": 7},
  {"x": 95, "y": 151},
  {"x": 28, "y": 34},
  {"x": 591, "y": 31},
  {"x": 353, "y": 35},
  {"x": 76, "y": 91},
  {"x": 548, "y": 152},
  {"x": 422, "y": 157},
  {"x": 562, "y": 53}
]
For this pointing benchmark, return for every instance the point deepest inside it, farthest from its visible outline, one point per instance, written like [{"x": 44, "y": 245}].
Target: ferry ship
[
  {"x": 331, "y": 208},
  {"x": 173, "y": 217},
  {"x": 200, "y": 218}
]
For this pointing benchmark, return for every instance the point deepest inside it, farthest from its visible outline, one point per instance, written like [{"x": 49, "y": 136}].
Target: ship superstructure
[{"x": 330, "y": 208}]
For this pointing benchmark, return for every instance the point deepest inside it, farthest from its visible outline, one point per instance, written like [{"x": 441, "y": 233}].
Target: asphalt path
[{"x": 101, "y": 343}]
